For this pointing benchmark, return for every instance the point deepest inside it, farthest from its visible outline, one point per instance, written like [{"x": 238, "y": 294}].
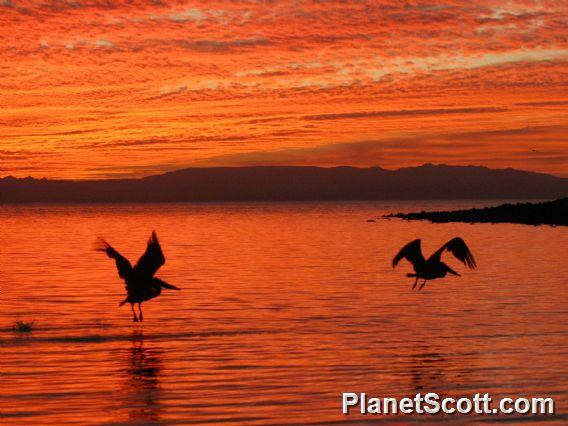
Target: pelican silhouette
[
  {"x": 141, "y": 285},
  {"x": 433, "y": 267}
]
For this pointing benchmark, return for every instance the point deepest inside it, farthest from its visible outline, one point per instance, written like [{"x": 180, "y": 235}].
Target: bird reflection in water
[
  {"x": 143, "y": 382},
  {"x": 431, "y": 371},
  {"x": 427, "y": 371}
]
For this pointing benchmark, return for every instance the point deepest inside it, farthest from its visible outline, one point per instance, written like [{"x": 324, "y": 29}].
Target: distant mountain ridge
[{"x": 294, "y": 183}]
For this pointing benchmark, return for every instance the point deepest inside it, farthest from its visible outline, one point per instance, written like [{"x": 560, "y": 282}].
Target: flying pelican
[
  {"x": 433, "y": 267},
  {"x": 141, "y": 285}
]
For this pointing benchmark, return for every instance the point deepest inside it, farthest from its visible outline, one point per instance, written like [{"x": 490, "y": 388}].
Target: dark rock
[{"x": 545, "y": 213}]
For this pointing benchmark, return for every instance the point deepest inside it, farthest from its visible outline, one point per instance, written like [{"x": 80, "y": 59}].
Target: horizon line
[{"x": 252, "y": 166}]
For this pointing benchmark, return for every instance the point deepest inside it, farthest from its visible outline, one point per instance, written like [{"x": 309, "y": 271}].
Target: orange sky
[{"x": 96, "y": 89}]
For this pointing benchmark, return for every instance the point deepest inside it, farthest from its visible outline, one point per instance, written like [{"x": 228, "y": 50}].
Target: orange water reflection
[
  {"x": 142, "y": 382},
  {"x": 283, "y": 307}
]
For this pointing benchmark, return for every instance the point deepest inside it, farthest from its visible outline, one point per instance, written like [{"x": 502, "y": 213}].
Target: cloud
[
  {"x": 543, "y": 103},
  {"x": 122, "y": 172},
  {"x": 402, "y": 113},
  {"x": 222, "y": 46},
  {"x": 56, "y": 133},
  {"x": 170, "y": 81},
  {"x": 513, "y": 147},
  {"x": 191, "y": 14},
  {"x": 165, "y": 92},
  {"x": 187, "y": 143},
  {"x": 104, "y": 43}
]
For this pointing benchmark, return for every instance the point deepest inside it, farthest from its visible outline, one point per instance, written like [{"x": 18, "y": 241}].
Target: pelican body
[
  {"x": 141, "y": 284},
  {"x": 433, "y": 267}
]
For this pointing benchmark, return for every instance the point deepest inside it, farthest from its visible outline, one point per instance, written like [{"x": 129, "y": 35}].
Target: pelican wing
[
  {"x": 152, "y": 259},
  {"x": 411, "y": 252},
  {"x": 122, "y": 263},
  {"x": 459, "y": 249}
]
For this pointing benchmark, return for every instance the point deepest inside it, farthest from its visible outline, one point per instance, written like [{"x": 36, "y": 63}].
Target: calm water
[{"x": 283, "y": 308}]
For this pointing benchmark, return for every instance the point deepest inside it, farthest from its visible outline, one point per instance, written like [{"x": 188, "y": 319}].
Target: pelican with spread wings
[
  {"x": 433, "y": 267},
  {"x": 141, "y": 284}
]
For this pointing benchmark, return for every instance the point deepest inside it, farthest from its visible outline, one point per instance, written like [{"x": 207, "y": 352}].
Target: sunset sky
[{"x": 108, "y": 89}]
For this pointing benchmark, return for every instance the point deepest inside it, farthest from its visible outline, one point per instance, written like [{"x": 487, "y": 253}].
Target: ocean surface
[{"x": 284, "y": 306}]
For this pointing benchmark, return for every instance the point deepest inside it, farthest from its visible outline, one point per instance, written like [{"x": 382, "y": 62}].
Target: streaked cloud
[
  {"x": 402, "y": 113},
  {"x": 174, "y": 83},
  {"x": 509, "y": 147}
]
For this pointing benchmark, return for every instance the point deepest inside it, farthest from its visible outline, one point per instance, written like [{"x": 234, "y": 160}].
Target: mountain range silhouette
[{"x": 294, "y": 183}]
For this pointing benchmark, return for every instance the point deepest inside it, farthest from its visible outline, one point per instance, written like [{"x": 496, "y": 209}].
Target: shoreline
[{"x": 553, "y": 213}]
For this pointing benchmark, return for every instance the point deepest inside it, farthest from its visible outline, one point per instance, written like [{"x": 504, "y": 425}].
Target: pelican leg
[
  {"x": 140, "y": 312},
  {"x": 422, "y": 285},
  {"x": 415, "y": 282},
  {"x": 134, "y": 318}
]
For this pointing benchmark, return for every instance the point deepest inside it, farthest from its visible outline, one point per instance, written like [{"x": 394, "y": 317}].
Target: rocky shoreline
[{"x": 545, "y": 213}]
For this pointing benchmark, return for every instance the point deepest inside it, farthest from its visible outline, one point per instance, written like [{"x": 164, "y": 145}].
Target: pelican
[
  {"x": 141, "y": 284},
  {"x": 433, "y": 267}
]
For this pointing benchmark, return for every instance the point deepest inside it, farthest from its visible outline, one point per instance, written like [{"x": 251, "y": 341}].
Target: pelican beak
[
  {"x": 451, "y": 271},
  {"x": 170, "y": 286}
]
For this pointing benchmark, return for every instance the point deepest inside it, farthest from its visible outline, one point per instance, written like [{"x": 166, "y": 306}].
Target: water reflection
[
  {"x": 317, "y": 274},
  {"x": 428, "y": 370},
  {"x": 443, "y": 370},
  {"x": 142, "y": 388}
]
